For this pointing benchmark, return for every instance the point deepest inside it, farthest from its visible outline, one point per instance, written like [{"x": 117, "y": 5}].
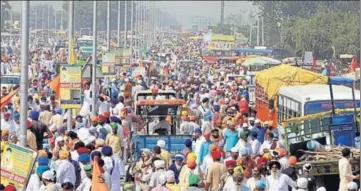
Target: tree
[
  {"x": 322, "y": 31},
  {"x": 277, "y": 13},
  {"x": 5, "y": 13}
]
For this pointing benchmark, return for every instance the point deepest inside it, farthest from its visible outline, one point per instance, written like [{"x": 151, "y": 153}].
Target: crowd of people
[{"x": 230, "y": 149}]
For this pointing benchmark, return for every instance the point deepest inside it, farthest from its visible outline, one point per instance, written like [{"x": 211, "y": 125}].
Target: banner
[
  {"x": 16, "y": 165},
  {"x": 220, "y": 45},
  {"x": 138, "y": 71},
  {"x": 221, "y": 37},
  {"x": 108, "y": 65},
  {"x": 70, "y": 86}
]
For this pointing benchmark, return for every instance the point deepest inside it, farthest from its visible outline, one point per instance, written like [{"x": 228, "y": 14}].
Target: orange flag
[
  {"x": 354, "y": 64},
  {"x": 98, "y": 183},
  {"x": 7, "y": 98},
  {"x": 55, "y": 85}
]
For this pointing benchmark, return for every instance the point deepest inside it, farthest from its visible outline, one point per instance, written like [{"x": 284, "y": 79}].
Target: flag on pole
[
  {"x": 97, "y": 178},
  {"x": 72, "y": 53}
]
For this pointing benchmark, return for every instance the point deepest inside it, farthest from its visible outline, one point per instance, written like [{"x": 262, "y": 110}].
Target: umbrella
[
  {"x": 254, "y": 62},
  {"x": 270, "y": 60}
]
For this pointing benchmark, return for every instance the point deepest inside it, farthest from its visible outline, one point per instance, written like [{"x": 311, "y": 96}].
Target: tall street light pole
[
  {"x": 70, "y": 39},
  {"x": 94, "y": 65},
  {"x": 108, "y": 26},
  {"x": 24, "y": 71},
  {"x": 125, "y": 23},
  {"x": 118, "y": 23},
  {"x": 360, "y": 79},
  {"x": 131, "y": 29}
]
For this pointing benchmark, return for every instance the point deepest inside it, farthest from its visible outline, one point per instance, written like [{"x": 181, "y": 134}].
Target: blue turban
[
  {"x": 260, "y": 184},
  {"x": 107, "y": 151},
  {"x": 95, "y": 153},
  {"x": 188, "y": 143},
  {"x": 178, "y": 157},
  {"x": 114, "y": 100},
  {"x": 84, "y": 158},
  {"x": 58, "y": 110},
  {"x": 41, "y": 169},
  {"x": 115, "y": 119},
  {"x": 16, "y": 116},
  {"x": 198, "y": 130},
  {"x": 34, "y": 115},
  {"x": 43, "y": 161},
  {"x": 217, "y": 108},
  {"x": 92, "y": 129}
]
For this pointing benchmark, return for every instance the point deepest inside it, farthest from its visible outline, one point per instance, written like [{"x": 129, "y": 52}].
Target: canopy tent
[
  {"x": 343, "y": 81},
  {"x": 270, "y": 60},
  {"x": 260, "y": 61},
  {"x": 274, "y": 78}
]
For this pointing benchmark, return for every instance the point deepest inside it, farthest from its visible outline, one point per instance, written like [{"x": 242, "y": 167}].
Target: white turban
[
  {"x": 234, "y": 150},
  {"x": 352, "y": 186},
  {"x": 159, "y": 164},
  {"x": 170, "y": 176},
  {"x": 161, "y": 143},
  {"x": 162, "y": 179},
  {"x": 321, "y": 189}
]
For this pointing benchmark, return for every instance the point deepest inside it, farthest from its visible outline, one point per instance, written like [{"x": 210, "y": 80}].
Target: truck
[{"x": 150, "y": 111}]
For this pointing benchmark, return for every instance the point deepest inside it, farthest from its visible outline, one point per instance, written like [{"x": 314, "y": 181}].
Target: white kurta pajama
[
  {"x": 345, "y": 171},
  {"x": 65, "y": 172}
]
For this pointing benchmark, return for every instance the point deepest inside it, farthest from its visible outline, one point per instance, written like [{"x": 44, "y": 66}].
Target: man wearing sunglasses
[{"x": 278, "y": 181}]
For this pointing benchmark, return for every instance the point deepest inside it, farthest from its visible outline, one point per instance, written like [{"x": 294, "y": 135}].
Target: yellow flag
[{"x": 72, "y": 53}]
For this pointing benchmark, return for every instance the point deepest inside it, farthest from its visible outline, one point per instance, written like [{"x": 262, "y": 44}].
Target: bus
[
  {"x": 85, "y": 41},
  {"x": 298, "y": 101}
]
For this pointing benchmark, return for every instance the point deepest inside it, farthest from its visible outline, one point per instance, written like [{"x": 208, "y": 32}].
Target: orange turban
[
  {"x": 292, "y": 160},
  {"x": 43, "y": 153},
  {"x": 107, "y": 113},
  {"x": 94, "y": 119},
  {"x": 191, "y": 163},
  {"x": 4, "y": 132}
]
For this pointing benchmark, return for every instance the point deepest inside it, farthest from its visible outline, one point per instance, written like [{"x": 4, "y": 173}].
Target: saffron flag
[
  {"x": 54, "y": 84},
  {"x": 72, "y": 53},
  {"x": 4, "y": 100},
  {"x": 98, "y": 183}
]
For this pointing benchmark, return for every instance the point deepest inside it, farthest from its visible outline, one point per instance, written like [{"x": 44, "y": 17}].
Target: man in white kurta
[{"x": 345, "y": 170}]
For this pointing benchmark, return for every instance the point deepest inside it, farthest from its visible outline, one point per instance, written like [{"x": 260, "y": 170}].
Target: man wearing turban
[
  {"x": 65, "y": 169},
  {"x": 187, "y": 170},
  {"x": 215, "y": 171}
]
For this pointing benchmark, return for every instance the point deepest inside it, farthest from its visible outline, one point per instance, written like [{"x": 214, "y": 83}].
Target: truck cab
[{"x": 153, "y": 112}]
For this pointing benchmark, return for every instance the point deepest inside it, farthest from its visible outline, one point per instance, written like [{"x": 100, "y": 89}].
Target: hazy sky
[{"x": 183, "y": 11}]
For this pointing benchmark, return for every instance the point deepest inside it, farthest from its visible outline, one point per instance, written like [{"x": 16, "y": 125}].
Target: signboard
[
  {"x": 70, "y": 86},
  {"x": 138, "y": 71},
  {"x": 108, "y": 67},
  {"x": 308, "y": 59},
  {"x": 221, "y": 45},
  {"x": 122, "y": 55},
  {"x": 16, "y": 165}
]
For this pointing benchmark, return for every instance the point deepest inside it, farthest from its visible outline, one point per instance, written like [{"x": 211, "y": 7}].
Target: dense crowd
[{"x": 230, "y": 150}]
